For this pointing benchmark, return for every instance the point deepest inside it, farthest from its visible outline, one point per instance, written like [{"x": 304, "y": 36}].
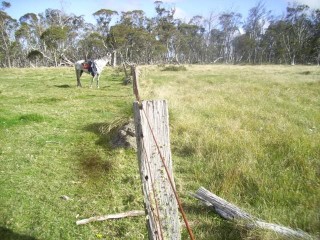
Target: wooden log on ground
[
  {"x": 111, "y": 216},
  {"x": 231, "y": 212}
]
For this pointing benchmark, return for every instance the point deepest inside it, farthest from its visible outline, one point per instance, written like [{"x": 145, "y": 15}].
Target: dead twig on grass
[{"x": 133, "y": 213}]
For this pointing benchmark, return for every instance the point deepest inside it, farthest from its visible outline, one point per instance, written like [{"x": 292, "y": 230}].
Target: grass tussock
[
  {"x": 250, "y": 134},
  {"x": 32, "y": 117},
  {"x": 7, "y": 121}
]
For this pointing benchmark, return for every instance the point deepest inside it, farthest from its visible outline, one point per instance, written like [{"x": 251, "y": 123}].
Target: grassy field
[{"x": 249, "y": 134}]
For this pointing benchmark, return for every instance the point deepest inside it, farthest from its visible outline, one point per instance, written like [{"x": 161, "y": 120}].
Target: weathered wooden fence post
[
  {"x": 152, "y": 133},
  {"x": 135, "y": 82}
]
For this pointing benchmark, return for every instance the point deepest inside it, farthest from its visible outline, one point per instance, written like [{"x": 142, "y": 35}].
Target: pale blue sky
[{"x": 185, "y": 9}]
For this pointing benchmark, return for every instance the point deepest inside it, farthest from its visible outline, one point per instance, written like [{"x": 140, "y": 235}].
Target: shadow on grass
[
  {"x": 91, "y": 162},
  {"x": 222, "y": 230},
  {"x": 63, "y": 86},
  {"x": 7, "y": 234},
  {"x": 117, "y": 134},
  {"x": 216, "y": 227},
  {"x": 118, "y": 96},
  {"x": 306, "y": 73},
  {"x": 93, "y": 165},
  {"x": 104, "y": 139}
]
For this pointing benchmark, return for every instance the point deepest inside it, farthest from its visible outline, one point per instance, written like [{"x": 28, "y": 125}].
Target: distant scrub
[
  {"x": 306, "y": 73},
  {"x": 174, "y": 68}
]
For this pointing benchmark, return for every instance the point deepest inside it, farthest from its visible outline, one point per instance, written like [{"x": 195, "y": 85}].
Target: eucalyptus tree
[
  {"x": 104, "y": 18},
  {"x": 299, "y": 32},
  {"x": 197, "y": 43},
  {"x": 244, "y": 48},
  {"x": 315, "y": 41},
  {"x": 215, "y": 45},
  {"x": 289, "y": 39},
  {"x": 122, "y": 35},
  {"x": 92, "y": 46},
  {"x": 55, "y": 40},
  {"x": 180, "y": 50},
  {"x": 210, "y": 22},
  {"x": 119, "y": 40},
  {"x": 28, "y": 34},
  {"x": 51, "y": 37},
  {"x": 60, "y": 32},
  {"x": 275, "y": 51},
  {"x": 189, "y": 41},
  {"x": 229, "y": 23},
  {"x": 8, "y": 45},
  {"x": 134, "y": 18},
  {"x": 77, "y": 30},
  {"x": 130, "y": 37},
  {"x": 254, "y": 28},
  {"x": 165, "y": 28}
]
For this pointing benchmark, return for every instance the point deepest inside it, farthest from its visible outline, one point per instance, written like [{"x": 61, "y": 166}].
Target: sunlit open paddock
[{"x": 249, "y": 134}]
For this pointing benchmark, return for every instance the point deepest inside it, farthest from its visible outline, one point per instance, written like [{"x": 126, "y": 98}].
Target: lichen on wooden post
[{"x": 153, "y": 146}]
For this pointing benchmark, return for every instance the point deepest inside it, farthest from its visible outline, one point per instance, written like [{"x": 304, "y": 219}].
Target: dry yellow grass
[{"x": 249, "y": 134}]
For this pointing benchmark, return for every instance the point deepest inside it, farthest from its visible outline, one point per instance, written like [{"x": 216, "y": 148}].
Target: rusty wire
[
  {"x": 154, "y": 194},
  {"x": 170, "y": 179}
]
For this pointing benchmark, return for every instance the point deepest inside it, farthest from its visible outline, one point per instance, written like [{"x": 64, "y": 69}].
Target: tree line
[{"x": 55, "y": 38}]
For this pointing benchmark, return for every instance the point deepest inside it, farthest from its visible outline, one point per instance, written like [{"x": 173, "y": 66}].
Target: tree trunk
[
  {"x": 114, "y": 58},
  {"x": 293, "y": 60}
]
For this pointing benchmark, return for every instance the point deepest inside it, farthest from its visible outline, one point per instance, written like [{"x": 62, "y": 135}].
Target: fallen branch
[
  {"x": 66, "y": 60},
  {"x": 111, "y": 216},
  {"x": 231, "y": 212}
]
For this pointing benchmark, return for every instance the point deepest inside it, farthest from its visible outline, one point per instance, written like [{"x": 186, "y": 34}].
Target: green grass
[
  {"x": 49, "y": 148},
  {"x": 249, "y": 134}
]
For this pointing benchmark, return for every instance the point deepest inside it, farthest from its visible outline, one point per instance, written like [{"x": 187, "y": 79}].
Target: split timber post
[
  {"x": 152, "y": 133},
  {"x": 155, "y": 166}
]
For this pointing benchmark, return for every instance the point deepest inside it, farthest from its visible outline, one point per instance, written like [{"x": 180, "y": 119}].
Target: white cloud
[{"x": 180, "y": 14}]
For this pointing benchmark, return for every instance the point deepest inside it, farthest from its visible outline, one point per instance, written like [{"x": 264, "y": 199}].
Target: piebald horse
[{"x": 94, "y": 68}]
